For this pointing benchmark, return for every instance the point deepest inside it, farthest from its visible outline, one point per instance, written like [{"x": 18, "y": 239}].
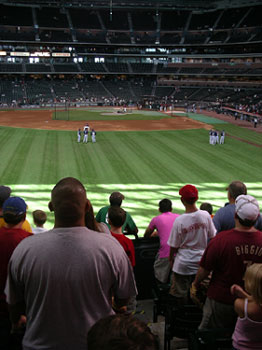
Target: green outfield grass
[
  {"x": 230, "y": 129},
  {"x": 205, "y": 119},
  {"x": 145, "y": 166},
  {"x": 106, "y": 114}
]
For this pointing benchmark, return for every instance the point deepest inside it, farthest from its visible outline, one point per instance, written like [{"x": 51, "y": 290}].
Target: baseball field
[{"x": 147, "y": 156}]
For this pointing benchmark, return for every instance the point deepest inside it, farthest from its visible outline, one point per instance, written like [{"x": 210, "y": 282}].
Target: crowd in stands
[{"x": 73, "y": 287}]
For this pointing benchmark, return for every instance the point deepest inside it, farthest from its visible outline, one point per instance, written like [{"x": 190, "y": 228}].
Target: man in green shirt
[{"x": 116, "y": 199}]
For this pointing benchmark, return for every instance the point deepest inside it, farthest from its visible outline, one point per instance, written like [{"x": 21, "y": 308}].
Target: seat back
[{"x": 145, "y": 250}]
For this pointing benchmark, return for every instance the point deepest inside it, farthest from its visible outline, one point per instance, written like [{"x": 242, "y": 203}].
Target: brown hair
[
  {"x": 117, "y": 216},
  {"x": 90, "y": 220},
  {"x": 120, "y": 332},
  {"x": 39, "y": 217}
]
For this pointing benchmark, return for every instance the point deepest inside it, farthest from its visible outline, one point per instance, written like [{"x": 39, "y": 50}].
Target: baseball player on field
[
  {"x": 93, "y": 135},
  {"x": 85, "y": 139},
  {"x": 79, "y": 136},
  {"x": 222, "y": 137}
]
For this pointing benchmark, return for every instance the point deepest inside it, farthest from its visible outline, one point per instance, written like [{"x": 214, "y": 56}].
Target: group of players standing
[
  {"x": 85, "y": 133},
  {"x": 216, "y": 137}
]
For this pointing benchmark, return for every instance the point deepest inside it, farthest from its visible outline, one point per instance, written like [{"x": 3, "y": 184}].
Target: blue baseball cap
[{"x": 14, "y": 205}]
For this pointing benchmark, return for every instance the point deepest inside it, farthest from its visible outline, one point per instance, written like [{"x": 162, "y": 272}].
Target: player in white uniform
[
  {"x": 93, "y": 135},
  {"x": 79, "y": 135}
]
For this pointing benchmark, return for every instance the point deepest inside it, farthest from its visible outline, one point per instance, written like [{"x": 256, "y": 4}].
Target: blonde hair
[{"x": 253, "y": 282}]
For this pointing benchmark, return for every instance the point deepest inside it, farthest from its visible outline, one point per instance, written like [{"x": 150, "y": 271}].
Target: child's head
[
  {"x": 207, "y": 207},
  {"x": 120, "y": 331},
  {"x": 116, "y": 216},
  {"x": 253, "y": 282},
  {"x": 39, "y": 217}
]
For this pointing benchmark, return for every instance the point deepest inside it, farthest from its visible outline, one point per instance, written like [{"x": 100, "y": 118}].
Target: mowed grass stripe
[
  {"x": 123, "y": 154},
  {"x": 104, "y": 162},
  {"x": 243, "y": 133},
  {"x": 161, "y": 157},
  {"x": 125, "y": 157},
  {"x": 8, "y": 147},
  {"x": 16, "y": 150}
]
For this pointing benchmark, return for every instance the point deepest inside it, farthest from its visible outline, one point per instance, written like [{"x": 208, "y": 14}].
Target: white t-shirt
[
  {"x": 37, "y": 230},
  {"x": 190, "y": 233}
]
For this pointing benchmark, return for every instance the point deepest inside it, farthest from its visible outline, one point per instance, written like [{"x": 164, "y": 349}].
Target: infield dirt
[{"x": 42, "y": 119}]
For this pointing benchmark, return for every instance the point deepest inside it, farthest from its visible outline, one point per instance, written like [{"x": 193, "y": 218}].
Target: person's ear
[{"x": 50, "y": 206}]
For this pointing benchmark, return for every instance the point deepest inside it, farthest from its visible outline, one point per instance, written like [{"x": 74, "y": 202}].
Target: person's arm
[
  {"x": 239, "y": 307},
  {"x": 148, "y": 232},
  {"x": 239, "y": 292},
  {"x": 172, "y": 252},
  {"x": 200, "y": 276},
  {"x": 120, "y": 305},
  {"x": 15, "y": 312}
]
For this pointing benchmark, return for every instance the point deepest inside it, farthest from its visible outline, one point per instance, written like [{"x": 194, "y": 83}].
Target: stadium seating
[{"x": 143, "y": 45}]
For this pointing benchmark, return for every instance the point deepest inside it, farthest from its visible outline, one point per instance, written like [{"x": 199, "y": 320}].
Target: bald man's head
[{"x": 69, "y": 203}]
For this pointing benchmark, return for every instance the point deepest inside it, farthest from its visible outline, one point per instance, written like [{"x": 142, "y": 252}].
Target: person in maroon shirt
[
  {"x": 14, "y": 213},
  {"x": 227, "y": 256}
]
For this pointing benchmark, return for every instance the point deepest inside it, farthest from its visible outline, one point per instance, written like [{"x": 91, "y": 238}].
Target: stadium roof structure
[{"x": 197, "y": 5}]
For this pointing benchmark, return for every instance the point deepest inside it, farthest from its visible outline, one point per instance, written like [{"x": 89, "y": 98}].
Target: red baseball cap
[{"x": 189, "y": 192}]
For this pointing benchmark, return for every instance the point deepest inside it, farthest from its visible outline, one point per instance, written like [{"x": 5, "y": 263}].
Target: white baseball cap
[{"x": 247, "y": 207}]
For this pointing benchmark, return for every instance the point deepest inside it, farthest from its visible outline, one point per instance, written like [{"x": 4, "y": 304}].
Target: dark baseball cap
[{"x": 14, "y": 205}]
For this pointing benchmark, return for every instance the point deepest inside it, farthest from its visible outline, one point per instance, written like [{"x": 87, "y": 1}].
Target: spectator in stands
[
  {"x": 227, "y": 256},
  {"x": 188, "y": 240},
  {"x": 207, "y": 207},
  {"x": 39, "y": 217},
  {"x": 120, "y": 332},
  {"x": 116, "y": 199},
  {"x": 116, "y": 219},
  {"x": 65, "y": 278},
  {"x": 14, "y": 213},
  {"x": 5, "y": 193},
  {"x": 224, "y": 218},
  {"x": 247, "y": 333},
  {"x": 163, "y": 223}
]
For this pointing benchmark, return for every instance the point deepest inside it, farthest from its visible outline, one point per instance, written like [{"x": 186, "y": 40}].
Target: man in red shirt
[
  {"x": 14, "y": 214},
  {"x": 227, "y": 256}
]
